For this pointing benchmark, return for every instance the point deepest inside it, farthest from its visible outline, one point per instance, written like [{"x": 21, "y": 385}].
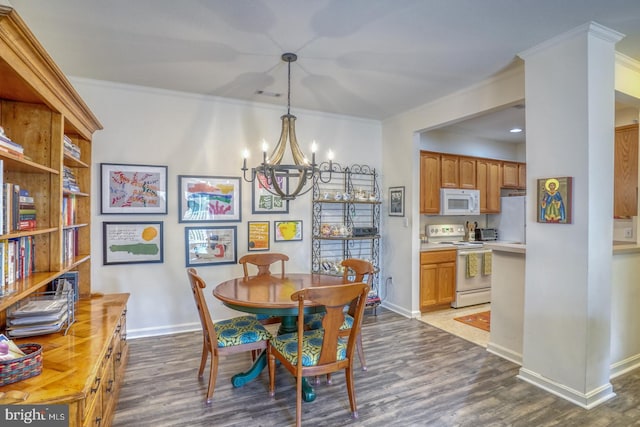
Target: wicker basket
[{"x": 24, "y": 367}]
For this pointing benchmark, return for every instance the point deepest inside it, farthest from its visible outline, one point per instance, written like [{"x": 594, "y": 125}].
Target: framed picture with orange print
[
  {"x": 258, "y": 236},
  {"x": 132, "y": 242}
]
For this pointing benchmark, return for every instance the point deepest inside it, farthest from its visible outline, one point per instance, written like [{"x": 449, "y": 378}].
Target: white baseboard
[
  {"x": 166, "y": 330},
  {"x": 585, "y": 400},
  {"x": 624, "y": 366},
  {"x": 401, "y": 311},
  {"x": 505, "y": 353}
]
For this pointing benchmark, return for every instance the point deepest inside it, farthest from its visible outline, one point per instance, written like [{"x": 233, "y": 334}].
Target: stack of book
[
  {"x": 26, "y": 211},
  {"x": 69, "y": 181},
  {"x": 70, "y": 148},
  {"x": 8, "y": 146}
]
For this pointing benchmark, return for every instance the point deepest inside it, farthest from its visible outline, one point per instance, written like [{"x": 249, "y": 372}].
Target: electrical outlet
[{"x": 628, "y": 233}]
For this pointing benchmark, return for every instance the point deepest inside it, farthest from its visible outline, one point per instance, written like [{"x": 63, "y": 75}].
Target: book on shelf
[
  {"x": 69, "y": 181},
  {"x": 26, "y": 211},
  {"x": 69, "y": 207},
  {"x": 70, "y": 148},
  {"x": 11, "y": 147}
]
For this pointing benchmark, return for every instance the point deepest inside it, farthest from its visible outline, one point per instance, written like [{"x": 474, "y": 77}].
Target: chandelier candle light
[{"x": 271, "y": 167}]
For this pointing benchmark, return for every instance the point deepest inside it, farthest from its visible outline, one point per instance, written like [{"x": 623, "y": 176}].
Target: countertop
[{"x": 513, "y": 247}]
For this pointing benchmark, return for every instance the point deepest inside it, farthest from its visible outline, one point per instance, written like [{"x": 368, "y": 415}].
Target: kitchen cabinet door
[
  {"x": 429, "y": 183},
  {"x": 467, "y": 167},
  {"x": 488, "y": 182},
  {"x": 437, "y": 279},
  {"x": 625, "y": 178},
  {"x": 522, "y": 175},
  {"x": 510, "y": 175},
  {"x": 449, "y": 170}
]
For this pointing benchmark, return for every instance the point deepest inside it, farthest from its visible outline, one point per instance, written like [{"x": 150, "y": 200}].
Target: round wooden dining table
[{"x": 271, "y": 295}]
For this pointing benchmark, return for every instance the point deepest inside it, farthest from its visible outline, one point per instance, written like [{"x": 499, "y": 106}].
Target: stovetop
[{"x": 451, "y": 234}]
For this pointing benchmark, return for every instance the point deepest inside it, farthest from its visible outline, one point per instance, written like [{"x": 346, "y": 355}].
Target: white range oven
[{"x": 473, "y": 263}]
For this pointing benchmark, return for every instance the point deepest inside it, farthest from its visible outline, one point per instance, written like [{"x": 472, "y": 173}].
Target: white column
[{"x": 569, "y": 92}]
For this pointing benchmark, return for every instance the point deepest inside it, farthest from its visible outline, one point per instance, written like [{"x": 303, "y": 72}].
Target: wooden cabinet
[
  {"x": 437, "y": 279},
  {"x": 449, "y": 171},
  {"x": 625, "y": 178},
  {"x": 522, "y": 175},
  {"x": 514, "y": 175},
  {"x": 429, "y": 183},
  {"x": 38, "y": 108},
  {"x": 488, "y": 182},
  {"x": 467, "y": 166},
  {"x": 440, "y": 170},
  {"x": 85, "y": 368}
]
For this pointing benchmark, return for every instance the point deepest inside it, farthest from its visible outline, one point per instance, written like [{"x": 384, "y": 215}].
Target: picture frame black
[
  {"x": 133, "y": 189},
  {"x": 264, "y": 202},
  {"x": 214, "y": 245},
  {"x": 132, "y": 242},
  {"x": 287, "y": 231},
  {"x": 396, "y": 201},
  {"x": 209, "y": 198},
  {"x": 258, "y": 235}
]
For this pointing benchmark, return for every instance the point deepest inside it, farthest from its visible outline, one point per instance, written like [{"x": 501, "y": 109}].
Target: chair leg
[
  {"x": 203, "y": 359},
  {"x": 271, "y": 360},
  {"x": 213, "y": 373},
  {"x": 363, "y": 362},
  {"x": 351, "y": 391},
  {"x": 299, "y": 400}
]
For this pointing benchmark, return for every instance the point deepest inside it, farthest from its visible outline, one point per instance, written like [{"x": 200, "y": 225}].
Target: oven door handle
[{"x": 476, "y": 251}]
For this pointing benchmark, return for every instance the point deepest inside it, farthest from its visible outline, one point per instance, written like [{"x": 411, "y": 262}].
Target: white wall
[
  {"x": 401, "y": 166},
  {"x": 199, "y": 135}
]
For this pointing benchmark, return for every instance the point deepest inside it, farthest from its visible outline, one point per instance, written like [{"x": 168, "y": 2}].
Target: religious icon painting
[{"x": 555, "y": 200}]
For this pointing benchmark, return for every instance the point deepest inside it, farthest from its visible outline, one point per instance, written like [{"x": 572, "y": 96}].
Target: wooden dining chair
[
  {"x": 320, "y": 351},
  {"x": 230, "y": 336},
  {"x": 263, "y": 262},
  {"x": 355, "y": 270}
]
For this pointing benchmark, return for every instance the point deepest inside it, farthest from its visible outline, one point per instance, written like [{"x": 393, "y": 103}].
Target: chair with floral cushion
[
  {"x": 264, "y": 261},
  {"x": 230, "y": 336},
  {"x": 325, "y": 350},
  {"x": 359, "y": 270}
]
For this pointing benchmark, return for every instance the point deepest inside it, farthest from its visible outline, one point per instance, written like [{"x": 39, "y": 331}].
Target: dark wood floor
[{"x": 418, "y": 376}]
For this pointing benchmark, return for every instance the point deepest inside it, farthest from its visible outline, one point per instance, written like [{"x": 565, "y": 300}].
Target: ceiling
[{"x": 364, "y": 58}]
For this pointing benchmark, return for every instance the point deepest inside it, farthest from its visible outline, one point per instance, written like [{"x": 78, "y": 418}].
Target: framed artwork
[
  {"x": 210, "y": 245},
  {"x": 258, "y": 236},
  {"x": 263, "y": 202},
  {"x": 209, "y": 198},
  {"x": 133, "y": 189},
  {"x": 555, "y": 200},
  {"x": 287, "y": 231},
  {"x": 132, "y": 242},
  {"x": 396, "y": 201}
]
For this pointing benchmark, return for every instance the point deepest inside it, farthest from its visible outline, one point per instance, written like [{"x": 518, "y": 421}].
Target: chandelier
[{"x": 287, "y": 181}]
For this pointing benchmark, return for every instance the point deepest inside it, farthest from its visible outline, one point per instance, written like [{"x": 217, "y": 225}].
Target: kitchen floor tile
[{"x": 443, "y": 319}]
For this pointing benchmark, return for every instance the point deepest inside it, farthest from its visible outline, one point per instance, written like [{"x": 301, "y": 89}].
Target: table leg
[
  {"x": 308, "y": 395},
  {"x": 288, "y": 325},
  {"x": 238, "y": 380}
]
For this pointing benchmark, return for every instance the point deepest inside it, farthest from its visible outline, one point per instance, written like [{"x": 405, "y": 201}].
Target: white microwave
[{"x": 456, "y": 201}]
